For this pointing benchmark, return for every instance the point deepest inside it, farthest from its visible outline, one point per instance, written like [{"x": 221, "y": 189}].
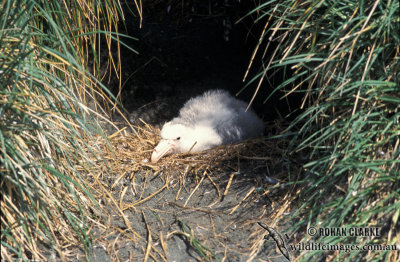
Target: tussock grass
[
  {"x": 45, "y": 128},
  {"x": 343, "y": 57}
]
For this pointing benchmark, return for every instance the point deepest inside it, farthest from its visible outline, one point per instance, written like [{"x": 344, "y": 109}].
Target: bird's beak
[{"x": 165, "y": 147}]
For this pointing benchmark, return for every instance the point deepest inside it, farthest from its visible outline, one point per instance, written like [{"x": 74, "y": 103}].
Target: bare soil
[{"x": 184, "y": 217}]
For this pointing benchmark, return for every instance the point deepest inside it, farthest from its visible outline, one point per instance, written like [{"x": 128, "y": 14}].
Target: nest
[{"x": 174, "y": 190}]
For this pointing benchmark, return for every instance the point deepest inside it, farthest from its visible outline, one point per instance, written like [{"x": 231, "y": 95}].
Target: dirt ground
[
  {"x": 181, "y": 216},
  {"x": 199, "y": 207}
]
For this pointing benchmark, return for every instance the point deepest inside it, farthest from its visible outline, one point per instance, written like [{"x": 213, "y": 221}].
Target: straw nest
[{"x": 145, "y": 205}]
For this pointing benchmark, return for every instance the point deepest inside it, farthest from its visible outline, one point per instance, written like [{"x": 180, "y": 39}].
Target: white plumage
[{"x": 212, "y": 119}]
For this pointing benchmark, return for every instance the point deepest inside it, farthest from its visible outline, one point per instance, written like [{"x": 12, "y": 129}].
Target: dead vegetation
[{"x": 210, "y": 200}]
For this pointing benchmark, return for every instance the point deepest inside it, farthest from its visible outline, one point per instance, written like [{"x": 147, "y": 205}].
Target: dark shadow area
[{"x": 186, "y": 50}]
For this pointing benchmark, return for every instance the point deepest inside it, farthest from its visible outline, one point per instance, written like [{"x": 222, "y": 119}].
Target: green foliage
[
  {"x": 44, "y": 128},
  {"x": 344, "y": 58}
]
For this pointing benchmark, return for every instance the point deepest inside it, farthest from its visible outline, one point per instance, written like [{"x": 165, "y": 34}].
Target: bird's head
[{"x": 179, "y": 138}]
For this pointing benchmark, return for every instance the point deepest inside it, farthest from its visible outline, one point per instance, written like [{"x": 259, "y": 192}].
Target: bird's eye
[{"x": 178, "y": 138}]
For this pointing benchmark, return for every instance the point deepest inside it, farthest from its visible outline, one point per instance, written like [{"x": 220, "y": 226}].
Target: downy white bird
[{"x": 206, "y": 121}]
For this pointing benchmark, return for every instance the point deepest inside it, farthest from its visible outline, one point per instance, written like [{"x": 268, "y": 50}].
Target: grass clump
[
  {"x": 45, "y": 47},
  {"x": 343, "y": 59}
]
